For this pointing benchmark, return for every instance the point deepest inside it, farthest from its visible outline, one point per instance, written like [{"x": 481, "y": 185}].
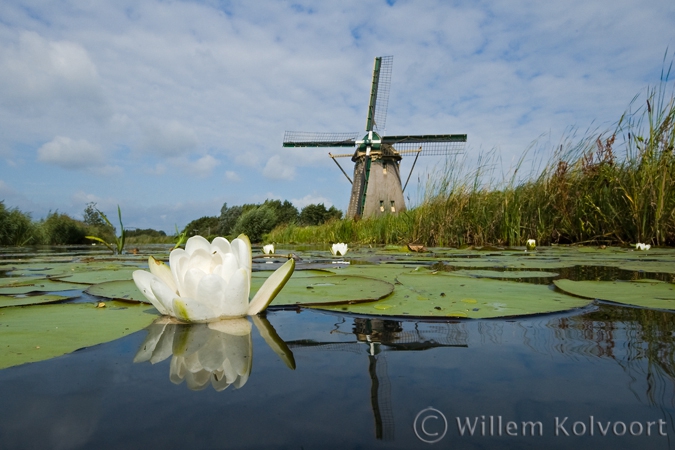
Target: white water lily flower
[
  {"x": 531, "y": 244},
  {"x": 339, "y": 249},
  {"x": 208, "y": 281},
  {"x": 640, "y": 246},
  {"x": 268, "y": 249}
]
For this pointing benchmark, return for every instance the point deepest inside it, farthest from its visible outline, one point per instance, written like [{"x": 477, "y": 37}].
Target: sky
[{"x": 170, "y": 109}]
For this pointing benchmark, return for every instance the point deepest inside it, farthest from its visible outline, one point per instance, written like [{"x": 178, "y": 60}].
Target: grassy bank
[{"x": 614, "y": 187}]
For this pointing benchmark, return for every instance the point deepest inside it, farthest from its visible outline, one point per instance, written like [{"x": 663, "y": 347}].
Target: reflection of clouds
[{"x": 219, "y": 353}]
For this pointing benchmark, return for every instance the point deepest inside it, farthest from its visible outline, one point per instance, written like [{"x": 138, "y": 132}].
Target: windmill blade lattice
[
  {"x": 319, "y": 139},
  {"x": 430, "y": 144},
  {"x": 379, "y": 94}
]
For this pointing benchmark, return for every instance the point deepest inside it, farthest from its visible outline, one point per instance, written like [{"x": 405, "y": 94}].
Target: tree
[
  {"x": 228, "y": 219},
  {"x": 92, "y": 216},
  {"x": 318, "y": 214},
  {"x": 204, "y": 226},
  {"x": 286, "y": 212},
  {"x": 256, "y": 222}
]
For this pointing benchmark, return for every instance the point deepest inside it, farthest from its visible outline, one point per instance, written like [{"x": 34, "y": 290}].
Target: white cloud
[
  {"x": 278, "y": 169},
  {"x": 202, "y": 167},
  {"x": 310, "y": 199},
  {"x": 231, "y": 175},
  {"x": 71, "y": 154},
  {"x": 170, "y": 138}
]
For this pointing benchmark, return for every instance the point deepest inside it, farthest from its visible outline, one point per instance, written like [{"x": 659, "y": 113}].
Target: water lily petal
[
  {"x": 163, "y": 272},
  {"x": 200, "y": 259},
  {"x": 235, "y": 300},
  {"x": 164, "y": 295},
  {"x": 211, "y": 291},
  {"x": 241, "y": 247},
  {"x": 178, "y": 259},
  {"x": 190, "y": 310},
  {"x": 222, "y": 245},
  {"x": 228, "y": 267},
  {"x": 271, "y": 287},
  {"x": 191, "y": 284},
  {"x": 197, "y": 242},
  {"x": 143, "y": 282}
]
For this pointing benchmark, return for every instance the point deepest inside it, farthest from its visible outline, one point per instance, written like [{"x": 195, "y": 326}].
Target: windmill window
[
  {"x": 393, "y": 208},
  {"x": 382, "y": 205}
]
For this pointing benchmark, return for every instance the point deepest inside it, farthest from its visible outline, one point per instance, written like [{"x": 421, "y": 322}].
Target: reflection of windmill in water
[
  {"x": 382, "y": 336},
  {"x": 376, "y": 188}
]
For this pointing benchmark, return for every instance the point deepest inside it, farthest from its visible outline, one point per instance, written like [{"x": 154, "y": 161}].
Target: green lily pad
[
  {"x": 23, "y": 300},
  {"x": 99, "y": 276},
  {"x": 37, "y": 333},
  {"x": 41, "y": 285},
  {"x": 332, "y": 289},
  {"x": 652, "y": 294},
  {"x": 505, "y": 274},
  {"x": 442, "y": 295},
  {"x": 125, "y": 290}
]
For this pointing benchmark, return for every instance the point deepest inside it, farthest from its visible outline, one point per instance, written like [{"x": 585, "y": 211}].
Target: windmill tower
[{"x": 377, "y": 187}]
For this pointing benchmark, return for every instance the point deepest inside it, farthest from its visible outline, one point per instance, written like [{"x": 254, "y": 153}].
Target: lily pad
[
  {"x": 41, "y": 285},
  {"x": 23, "y": 300},
  {"x": 98, "y": 276},
  {"x": 332, "y": 289},
  {"x": 441, "y": 295},
  {"x": 125, "y": 290},
  {"x": 653, "y": 294},
  {"x": 505, "y": 274},
  {"x": 36, "y": 333}
]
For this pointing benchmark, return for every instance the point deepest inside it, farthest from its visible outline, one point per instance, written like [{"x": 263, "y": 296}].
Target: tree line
[
  {"x": 256, "y": 220},
  {"x": 17, "y": 228}
]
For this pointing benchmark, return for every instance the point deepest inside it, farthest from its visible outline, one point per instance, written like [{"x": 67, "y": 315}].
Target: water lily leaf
[
  {"x": 652, "y": 294},
  {"x": 99, "y": 276},
  {"x": 41, "y": 285},
  {"x": 332, "y": 289},
  {"x": 505, "y": 274},
  {"x": 23, "y": 300},
  {"x": 441, "y": 295},
  {"x": 36, "y": 333},
  {"x": 125, "y": 290}
]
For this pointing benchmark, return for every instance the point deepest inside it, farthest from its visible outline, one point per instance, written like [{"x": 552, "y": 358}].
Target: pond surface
[{"x": 597, "y": 376}]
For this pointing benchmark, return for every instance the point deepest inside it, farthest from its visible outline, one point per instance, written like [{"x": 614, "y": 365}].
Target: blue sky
[{"x": 171, "y": 108}]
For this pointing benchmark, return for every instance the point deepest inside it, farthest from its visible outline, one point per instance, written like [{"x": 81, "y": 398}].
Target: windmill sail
[{"x": 379, "y": 94}]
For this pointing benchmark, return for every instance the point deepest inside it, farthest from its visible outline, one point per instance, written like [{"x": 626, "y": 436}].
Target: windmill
[{"x": 377, "y": 187}]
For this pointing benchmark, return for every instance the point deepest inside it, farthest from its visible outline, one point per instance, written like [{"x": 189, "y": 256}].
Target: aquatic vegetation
[
  {"x": 268, "y": 249},
  {"x": 118, "y": 245},
  {"x": 642, "y": 247},
  {"x": 442, "y": 284},
  {"x": 531, "y": 244},
  {"x": 208, "y": 281}
]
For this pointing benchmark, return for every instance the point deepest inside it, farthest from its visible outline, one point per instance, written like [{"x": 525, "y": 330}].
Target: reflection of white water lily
[
  {"x": 268, "y": 249},
  {"x": 640, "y": 246},
  {"x": 531, "y": 244},
  {"x": 209, "y": 281},
  {"x": 219, "y": 353},
  {"x": 339, "y": 249}
]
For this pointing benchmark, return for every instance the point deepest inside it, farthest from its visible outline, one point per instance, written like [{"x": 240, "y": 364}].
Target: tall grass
[{"x": 603, "y": 187}]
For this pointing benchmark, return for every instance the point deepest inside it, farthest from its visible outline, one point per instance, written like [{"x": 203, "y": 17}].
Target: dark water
[{"x": 365, "y": 383}]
